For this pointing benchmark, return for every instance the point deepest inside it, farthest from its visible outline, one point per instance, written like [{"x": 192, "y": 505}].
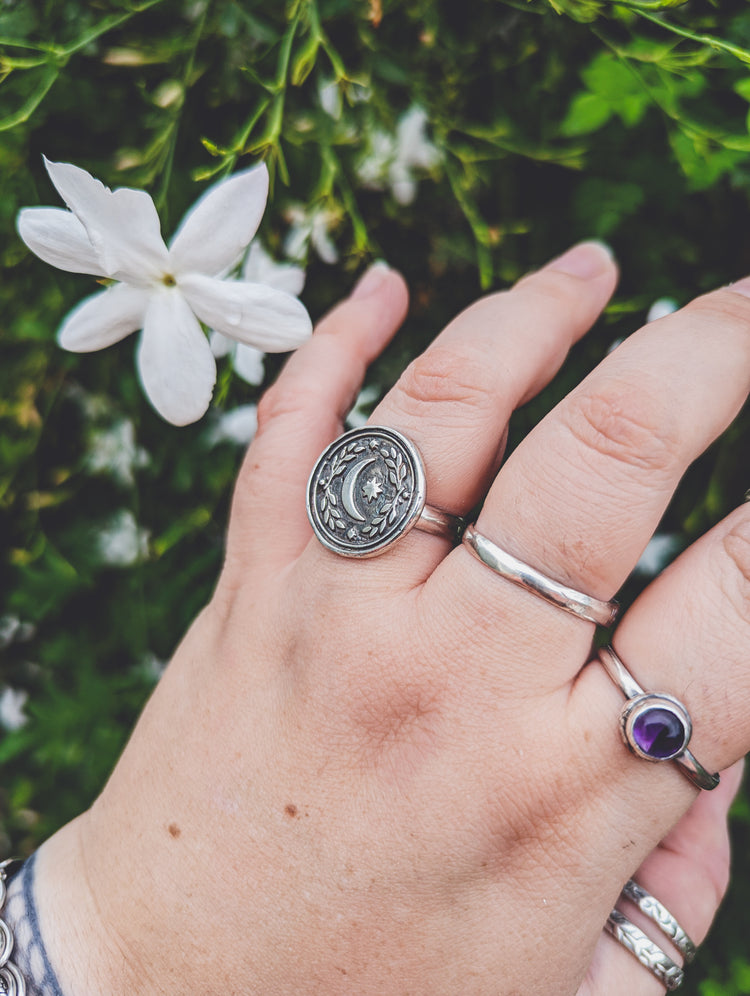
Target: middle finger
[
  {"x": 454, "y": 401},
  {"x": 581, "y": 496}
]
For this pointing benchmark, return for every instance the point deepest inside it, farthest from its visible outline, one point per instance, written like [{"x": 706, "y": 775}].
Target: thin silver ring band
[
  {"x": 664, "y": 920},
  {"x": 650, "y": 955},
  {"x": 688, "y": 763},
  {"x": 509, "y": 567},
  {"x": 439, "y": 523}
]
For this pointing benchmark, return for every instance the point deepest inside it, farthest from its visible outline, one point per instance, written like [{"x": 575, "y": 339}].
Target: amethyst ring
[{"x": 654, "y": 725}]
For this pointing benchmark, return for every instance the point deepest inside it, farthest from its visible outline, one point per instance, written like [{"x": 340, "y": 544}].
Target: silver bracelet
[{"x": 11, "y": 980}]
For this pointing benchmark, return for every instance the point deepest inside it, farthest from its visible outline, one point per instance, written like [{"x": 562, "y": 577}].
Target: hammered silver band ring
[
  {"x": 530, "y": 579},
  {"x": 367, "y": 490},
  {"x": 655, "y": 726}
]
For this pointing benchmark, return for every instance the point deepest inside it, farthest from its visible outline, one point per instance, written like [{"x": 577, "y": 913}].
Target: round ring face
[
  {"x": 656, "y": 727},
  {"x": 366, "y": 491}
]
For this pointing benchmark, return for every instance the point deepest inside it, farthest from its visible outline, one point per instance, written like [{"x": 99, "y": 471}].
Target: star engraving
[{"x": 372, "y": 489}]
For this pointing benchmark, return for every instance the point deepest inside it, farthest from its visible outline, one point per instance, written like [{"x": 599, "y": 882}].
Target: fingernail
[
  {"x": 370, "y": 280},
  {"x": 586, "y": 260}
]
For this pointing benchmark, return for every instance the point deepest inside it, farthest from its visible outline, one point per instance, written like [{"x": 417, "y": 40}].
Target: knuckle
[
  {"x": 723, "y": 307},
  {"x": 443, "y": 375},
  {"x": 626, "y": 424},
  {"x": 553, "y": 286}
]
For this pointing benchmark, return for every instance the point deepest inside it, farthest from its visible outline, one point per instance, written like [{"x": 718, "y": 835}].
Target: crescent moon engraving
[{"x": 348, "y": 486}]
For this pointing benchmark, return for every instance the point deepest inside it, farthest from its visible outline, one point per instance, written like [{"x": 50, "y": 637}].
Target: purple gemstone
[{"x": 659, "y": 733}]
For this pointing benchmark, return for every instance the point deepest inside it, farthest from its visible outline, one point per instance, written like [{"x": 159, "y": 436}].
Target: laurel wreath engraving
[
  {"x": 388, "y": 512},
  {"x": 329, "y": 509},
  {"x": 334, "y": 518}
]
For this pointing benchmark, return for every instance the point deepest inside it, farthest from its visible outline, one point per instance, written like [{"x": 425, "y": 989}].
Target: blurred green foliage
[{"x": 555, "y": 121}]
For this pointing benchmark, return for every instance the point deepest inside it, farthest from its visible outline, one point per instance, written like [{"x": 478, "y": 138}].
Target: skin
[{"x": 398, "y": 776}]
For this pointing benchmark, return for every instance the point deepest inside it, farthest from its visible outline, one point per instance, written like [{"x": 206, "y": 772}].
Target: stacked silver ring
[
  {"x": 11, "y": 980},
  {"x": 649, "y": 954}
]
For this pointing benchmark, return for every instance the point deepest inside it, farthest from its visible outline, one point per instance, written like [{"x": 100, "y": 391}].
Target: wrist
[
  {"x": 30, "y": 963},
  {"x": 62, "y": 946}
]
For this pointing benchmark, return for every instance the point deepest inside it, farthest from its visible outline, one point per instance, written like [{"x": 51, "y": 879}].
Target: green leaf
[
  {"x": 610, "y": 78},
  {"x": 304, "y": 60},
  {"x": 587, "y": 113},
  {"x": 702, "y": 163}
]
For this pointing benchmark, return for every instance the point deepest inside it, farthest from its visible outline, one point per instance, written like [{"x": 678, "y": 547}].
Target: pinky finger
[{"x": 689, "y": 873}]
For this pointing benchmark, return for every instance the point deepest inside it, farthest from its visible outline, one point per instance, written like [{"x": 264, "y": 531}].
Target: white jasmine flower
[
  {"x": 360, "y": 412},
  {"x": 12, "y": 701},
  {"x": 661, "y": 549},
  {"x": 151, "y": 666},
  {"x": 12, "y": 630},
  {"x": 392, "y": 160},
  {"x": 260, "y": 268},
  {"x": 661, "y": 308},
  {"x": 165, "y": 292},
  {"x": 311, "y": 228},
  {"x": 329, "y": 95},
  {"x": 114, "y": 451},
  {"x": 120, "y": 542},
  {"x": 236, "y": 426}
]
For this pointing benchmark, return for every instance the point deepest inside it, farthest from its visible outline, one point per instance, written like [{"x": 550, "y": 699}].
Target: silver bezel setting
[{"x": 635, "y": 708}]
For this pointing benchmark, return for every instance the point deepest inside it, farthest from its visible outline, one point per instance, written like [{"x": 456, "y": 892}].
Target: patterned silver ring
[
  {"x": 6, "y": 943},
  {"x": 12, "y": 981},
  {"x": 655, "y": 726},
  {"x": 664, "y": 920},
  {"x": 532, "y": 580},
  {"x": 650, "y": 955},
  {"x": 368, "y": 489}
]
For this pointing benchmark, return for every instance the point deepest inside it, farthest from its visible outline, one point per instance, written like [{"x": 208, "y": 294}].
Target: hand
[{"x": 398, "y": 775}]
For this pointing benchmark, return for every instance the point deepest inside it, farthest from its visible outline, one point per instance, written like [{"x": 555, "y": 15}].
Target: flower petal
[
  {"x": 175, "y": 362},
  {"x": 248, "y": 363},
  {"x": 57, "y": 237},
  {"x": 122, "y": 224},
  {"x": 252, "y": 313},
  {"x": 236, "y": 426},
  {"x": 321, "y": 241},
  {"x": 261, "y": 268},
  {"x": 103, "y": 319},
  {"x": 221, "y": 224},
  {"x": 220, "y": 345}
]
